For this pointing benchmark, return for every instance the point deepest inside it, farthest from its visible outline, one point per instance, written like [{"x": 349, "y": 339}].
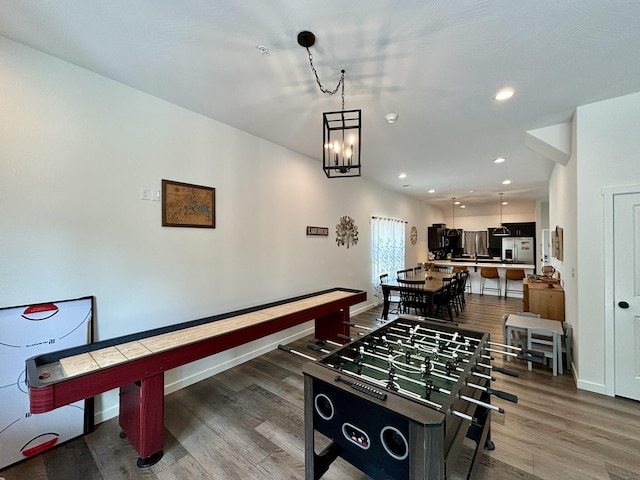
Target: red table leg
[
  {"x": 329, "y": 326},
  {"x": 142, "y": 417}
]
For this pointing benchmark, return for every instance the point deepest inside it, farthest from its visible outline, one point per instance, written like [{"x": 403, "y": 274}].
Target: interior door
[{"x": 626, "y": 243}]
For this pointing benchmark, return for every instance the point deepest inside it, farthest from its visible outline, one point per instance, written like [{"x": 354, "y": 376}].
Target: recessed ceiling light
[
  {"x": 505, "y": 203},
  {"x": 504, "y": 94},
  {"x": 391, "y": 117},
  {"x": 499, "y": 160},
  {"x": 463, "y": 206},
  {"x": 432, "y": 191},
  {"x": 506, "y": 182},
  {"x": 262, "y": 49},
  {"x": 402, "y": 175},
  {"x": 456, "y": 203},
  {"x": 471, "y": 191}
]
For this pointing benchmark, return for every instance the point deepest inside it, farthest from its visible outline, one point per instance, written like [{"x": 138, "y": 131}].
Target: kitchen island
[{"x": 474, "y": 271}]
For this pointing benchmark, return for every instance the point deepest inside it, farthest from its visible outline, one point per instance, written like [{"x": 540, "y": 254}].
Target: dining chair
[
  {"x": 384, "y": 278},
  {"x": 444, "y": 301},
  {"x": 462, "y": 278},
  {"x": 460, "y": 268},
  {"x": 413, "y": 296},
  {"x": 404, "y": 273}
]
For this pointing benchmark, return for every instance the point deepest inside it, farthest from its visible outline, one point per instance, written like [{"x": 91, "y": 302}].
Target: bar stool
[
  {"x": 490, "y": 273},
  {"x": 515, "y": 275}
]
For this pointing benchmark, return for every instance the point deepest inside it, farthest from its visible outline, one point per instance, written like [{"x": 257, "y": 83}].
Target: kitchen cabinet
[
  {"x": 436, "y": 237},
  {"x": 494, "y": 242},
  {"x": 523, "y": 229},
  {"x": 544, "y": 298}
]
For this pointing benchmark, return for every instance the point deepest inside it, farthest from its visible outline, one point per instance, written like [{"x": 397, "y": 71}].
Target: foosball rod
[
  {"x": 435, "y": 338},
  {"x": 436, "y": 362},
  {"x": 361, "y": 327},
  {"x": 454, "y": 336},
  {"x": 422, "y": 343},
  {"x": 449, "y": 377},
  {"x": 439, "y": 373},
  {"x": 316, "y": 348},
  {"x": 409, "y": 393},
  {"x": 458, "y": 343},
  {"x": 295, "y": 352}
]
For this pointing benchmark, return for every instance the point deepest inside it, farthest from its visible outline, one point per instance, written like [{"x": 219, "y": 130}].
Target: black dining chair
[
  {"x": 444, "y": 300},
  {"x": 413, "y": 296},
  {"x": 384, "y": 278}
]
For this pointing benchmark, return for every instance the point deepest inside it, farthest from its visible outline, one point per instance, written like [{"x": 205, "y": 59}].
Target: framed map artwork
[{"x": 186, "y": 205}]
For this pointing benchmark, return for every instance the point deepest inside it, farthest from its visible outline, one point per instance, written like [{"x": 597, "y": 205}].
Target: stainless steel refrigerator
[{"x": 518, "y": 250}]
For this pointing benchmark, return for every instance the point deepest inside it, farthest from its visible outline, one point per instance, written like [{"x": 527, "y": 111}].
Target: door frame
[{"x": 609, "y": 194}]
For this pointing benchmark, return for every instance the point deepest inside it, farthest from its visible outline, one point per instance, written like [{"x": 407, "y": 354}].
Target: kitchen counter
[
  {"x": 474, "y": 272},
  {"x": 487, "y": 263}
]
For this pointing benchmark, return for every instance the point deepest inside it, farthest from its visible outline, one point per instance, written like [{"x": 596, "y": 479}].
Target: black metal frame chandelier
[{"x": 341, "y": 130}]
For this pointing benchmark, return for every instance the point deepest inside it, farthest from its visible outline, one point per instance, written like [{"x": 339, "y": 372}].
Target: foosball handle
[
  {"x": 349, "y": 324},
  {"x": 343, "y": 337},
  {"x": 504, "y": 371},
  {"x": 504, "y": 395},
  {"x": 284, "y": 347},
  {"x": 531, "y": 356},
  {"x": 314, "y": 347}
]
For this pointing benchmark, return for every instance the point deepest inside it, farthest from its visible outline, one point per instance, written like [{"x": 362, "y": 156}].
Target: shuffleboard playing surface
[{"x": 113, "y": 355}]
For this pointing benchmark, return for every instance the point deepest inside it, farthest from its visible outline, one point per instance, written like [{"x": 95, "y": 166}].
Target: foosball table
[{"x": 398, "y": 402}]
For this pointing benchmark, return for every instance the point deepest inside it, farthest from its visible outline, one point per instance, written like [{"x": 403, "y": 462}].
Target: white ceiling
[{"x": 436, "y": 63}]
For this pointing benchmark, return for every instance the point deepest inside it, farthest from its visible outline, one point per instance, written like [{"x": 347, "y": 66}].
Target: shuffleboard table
[{"x": 136, "y": 363}]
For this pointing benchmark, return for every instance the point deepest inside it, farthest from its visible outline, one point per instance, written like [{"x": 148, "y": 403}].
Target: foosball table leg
[{"x": 315, "y": 464}]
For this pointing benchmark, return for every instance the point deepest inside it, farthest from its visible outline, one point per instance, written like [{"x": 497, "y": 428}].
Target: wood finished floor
[{"x": 247, "y": 423}]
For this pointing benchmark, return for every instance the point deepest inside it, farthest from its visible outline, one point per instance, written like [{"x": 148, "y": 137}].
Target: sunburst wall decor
[{"x": 346, "y": 232}]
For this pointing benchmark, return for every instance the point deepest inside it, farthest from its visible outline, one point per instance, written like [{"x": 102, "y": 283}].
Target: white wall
[
  {"x": 563, "y": 212},
  {"x": 606, "y": 154},
  {"x": 75, "y": 148}
]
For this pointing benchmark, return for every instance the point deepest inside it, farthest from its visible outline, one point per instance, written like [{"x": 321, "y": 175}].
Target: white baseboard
[{"x": 591, "y": 387}]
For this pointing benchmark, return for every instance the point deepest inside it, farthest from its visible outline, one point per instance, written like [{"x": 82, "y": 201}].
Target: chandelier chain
[{"x": 323, "y": 89}]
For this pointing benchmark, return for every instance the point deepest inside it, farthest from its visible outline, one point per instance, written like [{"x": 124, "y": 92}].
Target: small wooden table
[
  {"x": 539, "y": 326},
  {"x": 431, "y": 287}
]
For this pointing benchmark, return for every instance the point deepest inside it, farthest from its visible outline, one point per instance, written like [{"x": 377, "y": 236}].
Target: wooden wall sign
[
  {"x": 318, "y": 231},
  {"x": 186, "y": 205}
]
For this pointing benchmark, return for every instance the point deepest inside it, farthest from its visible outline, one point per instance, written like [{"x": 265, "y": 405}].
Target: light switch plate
[{"x": 145, "y": 193}]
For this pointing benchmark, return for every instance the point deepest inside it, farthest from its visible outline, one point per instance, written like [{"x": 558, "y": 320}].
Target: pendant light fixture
[
  {"x": 501, "y": 231},
  {"x": 453, "y": 232},
  {"x": 341, "y": 130}
]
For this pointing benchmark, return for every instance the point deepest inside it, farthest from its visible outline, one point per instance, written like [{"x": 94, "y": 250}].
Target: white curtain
[
  {"x": 387, "y": 243},
  {"x": 475, "y": 242}
]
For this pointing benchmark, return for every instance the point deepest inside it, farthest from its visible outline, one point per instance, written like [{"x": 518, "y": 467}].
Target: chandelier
[{"x": 341, "y": 130}]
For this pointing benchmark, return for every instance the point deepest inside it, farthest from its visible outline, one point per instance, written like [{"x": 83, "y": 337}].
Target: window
[
  {"x": 387, "y": 244},
  {"x": 475, "y": 243}
]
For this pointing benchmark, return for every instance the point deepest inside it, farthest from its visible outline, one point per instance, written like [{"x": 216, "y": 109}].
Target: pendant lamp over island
[
  {"x": 341, "y": 130},
  {"x": 453, "y": 232},
  {"x": 501, "y": 231}
]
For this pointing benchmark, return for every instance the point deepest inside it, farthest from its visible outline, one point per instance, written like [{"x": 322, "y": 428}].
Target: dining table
[{"x": 431, "y": 286}]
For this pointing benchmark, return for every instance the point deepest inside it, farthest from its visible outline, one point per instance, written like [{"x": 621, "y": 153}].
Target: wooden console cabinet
[{"x": 543, "y": 298}]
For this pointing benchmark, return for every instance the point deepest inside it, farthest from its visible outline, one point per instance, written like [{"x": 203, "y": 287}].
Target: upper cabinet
[
  {"x": 524, "y": 229},
  {"x": 494, "y": 242}
]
